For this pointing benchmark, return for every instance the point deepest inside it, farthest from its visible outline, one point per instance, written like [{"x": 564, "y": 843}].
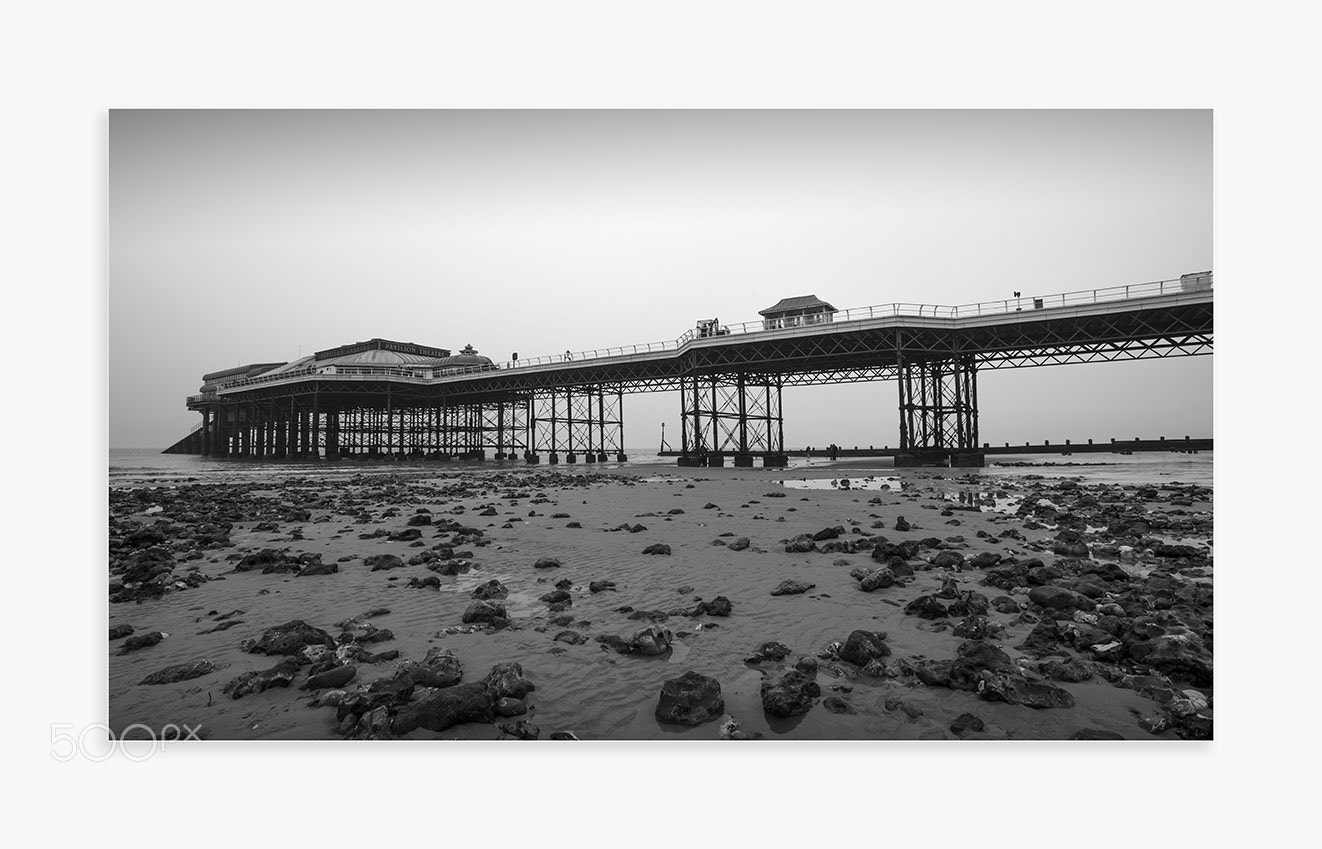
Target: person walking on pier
[{"x": 568, "y": 356}]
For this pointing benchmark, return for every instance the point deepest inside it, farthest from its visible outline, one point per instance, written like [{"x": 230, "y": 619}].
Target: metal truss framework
[
  {"x": 738, "y": 414},
  {"x": 939, "y": 411},
  {"x": 581, "y": 421},
  {"x": 730, "y": 393},
  {"x": 380, "y": 421}
]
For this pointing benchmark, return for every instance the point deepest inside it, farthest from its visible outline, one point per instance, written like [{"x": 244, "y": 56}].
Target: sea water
[{"x": 136, "y": 466}]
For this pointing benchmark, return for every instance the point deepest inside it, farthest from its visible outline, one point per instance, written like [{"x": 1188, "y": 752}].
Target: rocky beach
[{"x": 647, "y": 602}]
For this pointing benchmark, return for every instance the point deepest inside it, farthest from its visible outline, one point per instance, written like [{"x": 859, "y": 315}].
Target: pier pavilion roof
[{"x": 799, "y": 303}]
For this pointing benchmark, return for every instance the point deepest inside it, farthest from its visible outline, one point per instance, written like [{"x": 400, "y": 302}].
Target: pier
[{"x": 381, "y": 398}]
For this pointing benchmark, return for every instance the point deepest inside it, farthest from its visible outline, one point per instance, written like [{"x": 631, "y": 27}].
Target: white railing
[{"x": 1004, "y": 306}]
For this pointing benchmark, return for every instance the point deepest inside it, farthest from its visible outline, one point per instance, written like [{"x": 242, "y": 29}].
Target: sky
[{"x": 259, "y": 236}]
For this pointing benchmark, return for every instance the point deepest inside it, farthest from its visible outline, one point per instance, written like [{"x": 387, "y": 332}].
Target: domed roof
[
  {"x": 467, "y": 357},
  {"x": 380, "y": 357}
]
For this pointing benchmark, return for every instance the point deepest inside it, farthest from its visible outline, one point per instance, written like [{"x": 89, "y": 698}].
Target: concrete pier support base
[
  {"x": 571, "y": 457},
  {"x": 744, "y": 461},
  {"x": 532, "y": 459},
  {"x": 621, "y": 457},
  {"x": 553, "y": 458},
  {"x": 715, "y": 461},
  {"x": 602, "y": 457},
  {"x": 968, "y": 460},
  {"x": 590, "y": 457},
  {"x": 685, "y": 460},
  {"x": 775, "y": 461}
]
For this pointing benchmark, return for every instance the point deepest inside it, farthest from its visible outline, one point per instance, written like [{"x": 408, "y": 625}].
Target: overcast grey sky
[{"x": 252, "y": 236}]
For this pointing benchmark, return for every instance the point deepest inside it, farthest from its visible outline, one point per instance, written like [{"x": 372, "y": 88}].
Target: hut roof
[{"x": 796, "y": 304}]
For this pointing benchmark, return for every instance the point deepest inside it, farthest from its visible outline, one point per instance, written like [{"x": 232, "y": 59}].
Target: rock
[
  {"x": 650, "y": 641},
  {"x": 966, "y": 723},
  {"x": 119, "y": 632},
  {"x": 976, "y": 628},
  {"x": 484, "y": 610},
  {"x": 769, "y": 651},
  {"x": 507, "y": 707},
  {"x": 877, "y": 579},
  {"x": 792, "y": 587},
  {"x": 1065, "y": 669},
  {"x": 394, "y": 689},
  {"x": 948, "y": 560},
  {"x": 719, "y": 606},
  {"x": 1005, "y": 604},
  {"x": 658, "y": 548},
  {"x": 333, "y": 678},
  {"x": 1183, "y": 657},
  {"x": 269, "y": 561},
  {"x": 180, "y": 672},
  {"x": 835, "y": 704},
  {"x": 557, "y": 597},
  {"x": 969, "y": 603},
  {"x": 523, "y": 730},
  {"x": 979, "y": 655},
  {"x": 863, "y": 646},
  {"x": 289, "y": 638},
  {"x": 1154, "y": 723},
  {"x": 319, "y": 568},
  {"x": 141, "y": 641},
  {"x": 430, "y": 582},
  {"x": 1045, "y": 637},
  {"x": 505, "y": 680},
  {"x": 828, "y": 533},
  {"x": 438, "y": 668},
  {"x": 405, "y": 535},
  {"x": 547, "y": 563},
  {"x": 1017, "y": 690},
  {"x": 1095, "y": 734},
  {"x": 380, "y": 562},
  {"x": 691, "y": 699},
  {"x": 492, "y": 589},
  {"x": 574, "y": 638},
  {"x": 901, "y": 524},
  {"x": 792, "y": 695},
  {"x": 739, "y": 544},
  {"x": 985, "y": 560},
  {"x": 910, "y": 710},
  {"x": 801, "y": 544},
  {"x": 255, "y": 682},
  {"x": 600, "y": 586},
  {"x": 1059, "y": 598},
  {"x": 444, "y": 708},
  {"x": 926, "y": 607},
  {"x": 615, "y": 643}
]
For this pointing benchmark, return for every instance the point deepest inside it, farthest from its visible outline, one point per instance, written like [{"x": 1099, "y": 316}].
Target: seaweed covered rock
[
  {"x": 289, "y": 638},
  {"x": 690, "y": 699}
]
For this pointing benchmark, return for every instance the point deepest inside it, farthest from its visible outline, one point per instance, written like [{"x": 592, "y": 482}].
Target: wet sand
[{"x": 1143, "y": 638}]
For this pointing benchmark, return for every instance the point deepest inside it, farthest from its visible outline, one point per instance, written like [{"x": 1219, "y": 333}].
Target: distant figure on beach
[{"x": 835, "y": 451}]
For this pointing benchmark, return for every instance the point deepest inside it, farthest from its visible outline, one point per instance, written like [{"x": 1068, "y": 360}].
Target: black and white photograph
[
  {"x": 661, "y": 424},
  {"x": 605, "y": 424}
]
